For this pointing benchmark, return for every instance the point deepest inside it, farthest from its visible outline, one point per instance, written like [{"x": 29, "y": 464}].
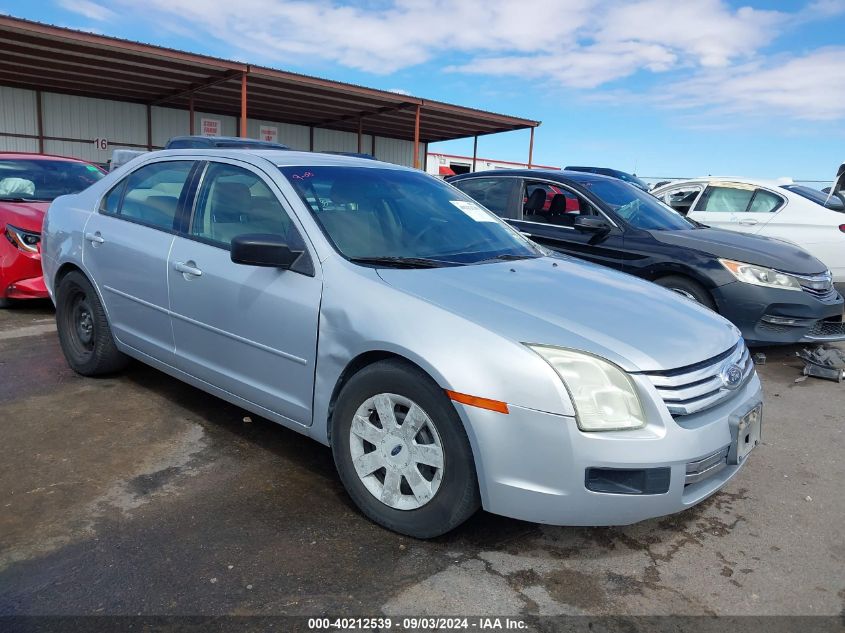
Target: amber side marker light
[{"x": 475, "y": 401}]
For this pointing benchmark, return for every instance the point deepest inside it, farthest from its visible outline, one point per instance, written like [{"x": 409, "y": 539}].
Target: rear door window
[
  {"x": 738, "y": 199},
  {"x": 493, "y": 193},
  {"x": 152, "y": 194}
]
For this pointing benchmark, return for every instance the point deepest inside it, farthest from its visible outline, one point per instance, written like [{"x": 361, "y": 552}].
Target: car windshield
[
  {"x": 638, "y": 208},
  {"x": 399, "y": 217},
  {"x": 819, "y": 197},
  {"x": 41, "y": 180}
]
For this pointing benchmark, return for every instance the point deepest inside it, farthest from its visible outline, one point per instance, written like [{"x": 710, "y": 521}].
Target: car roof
[
  {"x": 36, "y": 156},
  {"x": 282, "y": 158},
  {"x": 754, "y": 182},
  {"x": 548, "y": 174}
]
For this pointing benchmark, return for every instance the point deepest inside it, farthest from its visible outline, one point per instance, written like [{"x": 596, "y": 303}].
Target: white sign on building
[
  {"x": 269, "y": 133},
  {"x": 210, "y": 127}
]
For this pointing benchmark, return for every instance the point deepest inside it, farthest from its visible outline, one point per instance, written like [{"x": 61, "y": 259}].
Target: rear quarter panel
[{"x": 63, "y": 234}]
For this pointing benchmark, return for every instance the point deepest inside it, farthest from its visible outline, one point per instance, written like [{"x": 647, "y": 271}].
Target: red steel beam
[
  {"x": 243, "y": 105},
  {"x": 531, "y": 148},
  {"x": 417, "y": 139}
]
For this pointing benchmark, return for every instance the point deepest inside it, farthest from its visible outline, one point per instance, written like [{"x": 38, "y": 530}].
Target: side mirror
[
  {"x": 262, "y": 249},
  {"x": 591, "y": 224}
]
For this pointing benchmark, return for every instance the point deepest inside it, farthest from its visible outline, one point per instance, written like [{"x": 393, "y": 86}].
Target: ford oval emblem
[
  {"x": 731, "y": 375},
  {"x": 396, "y": 450}
]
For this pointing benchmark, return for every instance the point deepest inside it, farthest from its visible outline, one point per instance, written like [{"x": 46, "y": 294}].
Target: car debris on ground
[{"x": 824, "y": 362}]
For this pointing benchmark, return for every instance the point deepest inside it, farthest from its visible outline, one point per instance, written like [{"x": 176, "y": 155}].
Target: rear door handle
[
  {"x": 188, "y": 268},
  {"x": 94, "y": 238},
  {"x": 749, "y": 222}
]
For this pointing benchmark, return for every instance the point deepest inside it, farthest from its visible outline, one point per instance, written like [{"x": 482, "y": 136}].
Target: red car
[{"x": 28, "y": 183}]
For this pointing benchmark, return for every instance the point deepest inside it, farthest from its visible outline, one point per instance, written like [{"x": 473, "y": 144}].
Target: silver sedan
[{"x": 449, "y": 362}]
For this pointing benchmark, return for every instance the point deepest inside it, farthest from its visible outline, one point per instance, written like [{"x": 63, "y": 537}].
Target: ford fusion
[{"x": 448, "y": 362}]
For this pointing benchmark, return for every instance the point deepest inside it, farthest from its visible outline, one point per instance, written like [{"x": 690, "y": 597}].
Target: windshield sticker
[
  {"x": 302, "y": 176},
  {"x": 92, "y": 168},
  {"x": 473, "y": 210}
]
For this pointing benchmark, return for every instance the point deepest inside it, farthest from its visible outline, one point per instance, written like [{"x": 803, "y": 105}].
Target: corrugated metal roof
[{"x": 46, "y": 57}]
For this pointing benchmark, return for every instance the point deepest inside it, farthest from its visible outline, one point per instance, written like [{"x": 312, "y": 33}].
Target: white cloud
[
  {"x": 88, "y": 9},
  {"x": 806, "y": 87},
  {"x": 579, "y": 44}
]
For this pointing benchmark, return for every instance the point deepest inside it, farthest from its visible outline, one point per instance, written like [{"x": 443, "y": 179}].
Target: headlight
[
  {"x": 760, "y": 276},
  {"x": 604, "y": 396},
  {"x": 26, "y": 241}
]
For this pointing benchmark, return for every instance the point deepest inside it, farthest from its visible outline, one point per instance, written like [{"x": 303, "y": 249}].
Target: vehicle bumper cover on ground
[{"x": 531, "y": 465}]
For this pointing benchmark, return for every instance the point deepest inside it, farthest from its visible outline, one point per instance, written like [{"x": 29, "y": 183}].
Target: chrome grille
[
  {"x": 705, "y": 467},
  {"x": 700, "y": 386},
  {"x": 820, "y": 286}
]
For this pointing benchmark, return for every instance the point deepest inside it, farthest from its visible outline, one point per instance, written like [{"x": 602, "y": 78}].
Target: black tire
[
  {"x": 5, "y": 303},
  {"x": 84, "y": 332},
  {"x": 457, "y": 497},
  {"x": 688, "y": 288}
]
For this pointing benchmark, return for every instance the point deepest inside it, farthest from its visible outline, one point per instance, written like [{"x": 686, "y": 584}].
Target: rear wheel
[
  {"x": 401, "y": 451},
  {"x": 688, "y": 288},
  {"x": 84, "y": 332},
  {"x": 5, "y": 303}
]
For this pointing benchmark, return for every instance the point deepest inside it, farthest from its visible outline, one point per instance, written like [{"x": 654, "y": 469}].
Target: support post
[
  {"x": 149, "y": 127},
  {"x": 417, "y": 138},
  {"x": 531, "y": 149},
  {"x": 360, "y": 132},
  {"x": 373, "y": 146},
  {"x": 243, "y": 105},
  {"x": 474, "y": 151},
  {"x": 311, "y": 138},
  {"x": 39, "y": 114},
  {"x": 191, "y": 115}
]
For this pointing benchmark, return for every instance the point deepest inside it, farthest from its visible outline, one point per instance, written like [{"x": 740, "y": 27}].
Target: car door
[
  {"x": 126, "y": 249},
  {"x": 736, "y": 206},
  {"x": 500, "y": 194},
  {"x": 548, "y": 218},
  {"x": 248, "y": 330}
]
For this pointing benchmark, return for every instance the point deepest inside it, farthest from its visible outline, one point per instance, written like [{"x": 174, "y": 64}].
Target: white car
[{"x": 764, "y": 208}]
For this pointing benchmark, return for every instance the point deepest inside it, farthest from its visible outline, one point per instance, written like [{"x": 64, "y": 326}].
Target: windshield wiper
[
  {"x": 403, "y": 262},
  {"x": 506, "y": 257}
]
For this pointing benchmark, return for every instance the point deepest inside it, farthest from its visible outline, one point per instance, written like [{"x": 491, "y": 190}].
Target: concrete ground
[{"x": 140, "y": 495}]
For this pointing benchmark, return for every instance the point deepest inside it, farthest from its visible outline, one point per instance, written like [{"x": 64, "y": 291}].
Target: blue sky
[{"x": 660, "y": 87}]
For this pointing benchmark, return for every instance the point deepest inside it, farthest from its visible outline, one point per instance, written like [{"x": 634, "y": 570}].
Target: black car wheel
[
  {"x": 401, "y": 451},
  {"x": 688, "y": 288},
  {"x": 84, "y": 332}
]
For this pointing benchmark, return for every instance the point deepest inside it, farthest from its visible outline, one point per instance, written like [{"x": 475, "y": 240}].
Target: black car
[
  {"x": 222, "y": 142},
  {"x": 773, "y": 291},
  {"x": 613, "y": 173}
]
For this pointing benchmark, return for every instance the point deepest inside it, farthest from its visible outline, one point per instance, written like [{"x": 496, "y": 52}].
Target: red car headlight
[{"x": 26, "y": 241}]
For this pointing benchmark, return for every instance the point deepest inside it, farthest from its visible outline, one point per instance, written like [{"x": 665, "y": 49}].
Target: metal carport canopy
[{"x": 50, "y": 58}]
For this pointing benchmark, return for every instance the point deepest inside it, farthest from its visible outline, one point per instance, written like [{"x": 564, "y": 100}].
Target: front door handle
[
  {"x": 94, "y": 238},
  {"x": 188, "y": 268},
  {"x": 749, "y": 222}
]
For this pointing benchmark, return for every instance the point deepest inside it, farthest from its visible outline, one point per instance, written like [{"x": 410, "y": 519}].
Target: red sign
[{"x": 210, "y": 127}]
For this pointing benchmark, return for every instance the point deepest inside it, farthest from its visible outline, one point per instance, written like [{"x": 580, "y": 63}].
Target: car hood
[
  {"x": 568, "y": 303},
  {"x": 24, "y": 215},
  {"x": 751, "y": 249}
]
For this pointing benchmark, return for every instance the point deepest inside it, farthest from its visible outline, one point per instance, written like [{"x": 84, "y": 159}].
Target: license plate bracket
[{"x": 747, "y": 434}]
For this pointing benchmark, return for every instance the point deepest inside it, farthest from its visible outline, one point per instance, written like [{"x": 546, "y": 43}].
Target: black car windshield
[
  {"x": 638, "y": 208},
  {"x": 819, "y": 197},
  {"x": 42, "y": 180},
  {"x": 394, "y": 216}
]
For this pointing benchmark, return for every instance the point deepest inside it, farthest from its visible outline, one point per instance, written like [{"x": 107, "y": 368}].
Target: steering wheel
[{"x": 418, "y": 237}]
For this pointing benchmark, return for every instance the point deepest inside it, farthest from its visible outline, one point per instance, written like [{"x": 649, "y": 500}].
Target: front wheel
[
  {"x": 401, "y": 451},
  {"x": 84, "y": 332},
  {"x": 688, "y": 288}
]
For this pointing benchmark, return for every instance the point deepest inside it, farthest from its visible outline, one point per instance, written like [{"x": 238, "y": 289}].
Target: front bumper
[
  {"x": 20, "y": 273},
  {"x": 532, "y": 465},
  {"x": 768, "y": 316}
]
